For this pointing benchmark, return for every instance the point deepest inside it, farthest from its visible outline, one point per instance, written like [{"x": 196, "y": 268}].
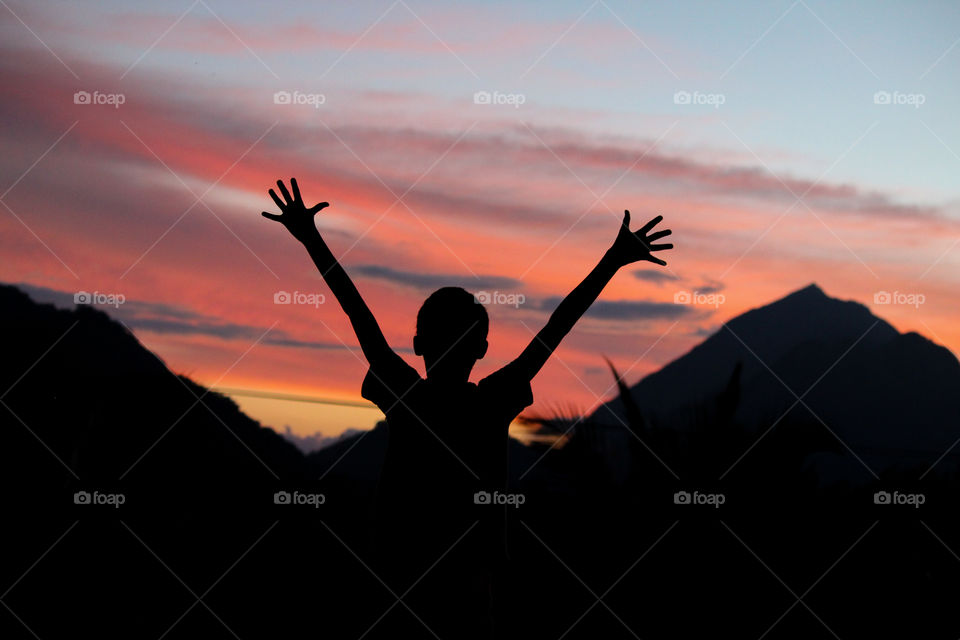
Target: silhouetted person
[{"x": 437, "y": 532}]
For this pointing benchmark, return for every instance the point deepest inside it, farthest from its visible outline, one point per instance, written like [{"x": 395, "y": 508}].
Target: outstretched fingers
[
  {"x": 276, "y": 198},
  {"x": 296, "y": 190},
  {"x": 318, "y": 207},
  {"x": 283, "y": 190},
  {"x": 650, "y": 225},
  {"x": 658, "y": 235}
]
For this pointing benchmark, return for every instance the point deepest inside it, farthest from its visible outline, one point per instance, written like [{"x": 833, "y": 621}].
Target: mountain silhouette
[
  {"x": 82, "y": 385},
  {"x": 891, "y": 397},
  {"x": 87, "y": 409}
]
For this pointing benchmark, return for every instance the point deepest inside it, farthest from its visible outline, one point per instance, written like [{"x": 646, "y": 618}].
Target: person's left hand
[{"x": 634, "y": 246}]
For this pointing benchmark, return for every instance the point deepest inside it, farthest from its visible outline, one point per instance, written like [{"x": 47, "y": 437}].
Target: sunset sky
[{"x": 784, "y": 142}]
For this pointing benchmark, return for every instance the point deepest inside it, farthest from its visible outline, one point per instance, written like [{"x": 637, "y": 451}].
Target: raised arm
[
  {"x": 298, "y": 220},
  {"x": 628, "y": 247}
]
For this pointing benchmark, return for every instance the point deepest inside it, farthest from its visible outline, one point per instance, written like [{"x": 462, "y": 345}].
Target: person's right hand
[{"x": 294, "y": 214}]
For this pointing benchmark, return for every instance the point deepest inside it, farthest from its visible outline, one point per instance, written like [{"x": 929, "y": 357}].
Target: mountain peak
[
  {"x": 807, "y": 324},
  {"x": 810, "y": 294},
  {"x": 808, "y": 315},
  {"x": 812, "y": 289}
]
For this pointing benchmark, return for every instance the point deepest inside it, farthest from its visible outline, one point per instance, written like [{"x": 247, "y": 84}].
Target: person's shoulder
[
  {"x": 508, "y": 374},
  {"x": 388, "y": 381},
  {"x": 507, "y": 386}
]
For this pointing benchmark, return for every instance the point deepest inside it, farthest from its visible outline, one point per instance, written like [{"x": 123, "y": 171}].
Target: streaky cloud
[{"x": 431, "y": 281}]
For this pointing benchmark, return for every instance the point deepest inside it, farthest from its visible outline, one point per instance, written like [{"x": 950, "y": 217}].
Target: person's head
[{"x": 451, "y": 333}]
